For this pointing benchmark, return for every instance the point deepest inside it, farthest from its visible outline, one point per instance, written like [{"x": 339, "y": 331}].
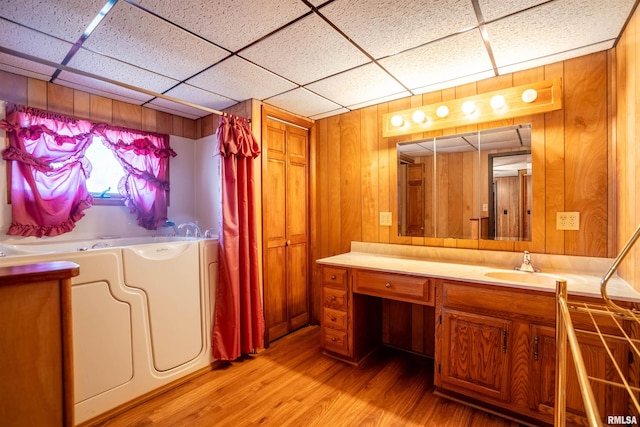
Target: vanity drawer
[
  {"x": 335, "y": 298},
  {"x": 335, "y": 276},
  {"x": 335, "y": 319},
  {"x": 399, "y": 287},
  {"x": 336, "y": 341}
]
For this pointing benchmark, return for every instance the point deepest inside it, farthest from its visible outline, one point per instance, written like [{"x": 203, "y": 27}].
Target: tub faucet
[
  {"x": 169, "y": 223},
  {"x": 526, "y": 264},
  {"x": 188, "y": 226}
]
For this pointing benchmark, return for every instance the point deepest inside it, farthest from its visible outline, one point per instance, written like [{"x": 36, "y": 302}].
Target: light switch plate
[
  {"x": 568, "y": 220},
  {"x": 385, "y": 218}
]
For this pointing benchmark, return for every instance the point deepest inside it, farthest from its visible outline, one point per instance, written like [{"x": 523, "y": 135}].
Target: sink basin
[{"x": 523, "y": 277}]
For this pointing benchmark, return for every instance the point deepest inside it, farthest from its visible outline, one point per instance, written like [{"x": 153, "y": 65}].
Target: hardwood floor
[{"x": 294, "y": 384}]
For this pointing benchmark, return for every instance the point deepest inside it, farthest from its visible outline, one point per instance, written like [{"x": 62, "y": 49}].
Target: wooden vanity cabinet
[
  {"x": 497, "y": 345},
  {"x": 36, "y": 379},
  {"x": 344, "y": 312}
]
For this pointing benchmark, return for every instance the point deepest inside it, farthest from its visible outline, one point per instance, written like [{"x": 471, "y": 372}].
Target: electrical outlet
[
  {"x": 385, "y": 218},
  {"x": 568, "y": 220}
]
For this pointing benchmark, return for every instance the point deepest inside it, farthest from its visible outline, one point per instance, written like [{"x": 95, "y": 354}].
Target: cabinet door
[
  {"x": 475, "y": 354},
  {"x": 610, "y": 400}
]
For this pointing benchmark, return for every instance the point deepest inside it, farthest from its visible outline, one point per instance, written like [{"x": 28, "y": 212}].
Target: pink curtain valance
[{"x": 50, "y": 170}]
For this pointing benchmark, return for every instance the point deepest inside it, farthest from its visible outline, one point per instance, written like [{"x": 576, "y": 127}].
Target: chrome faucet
[
  {"x": 526, "y": 264},
  {"x": 188, "y": 226}
]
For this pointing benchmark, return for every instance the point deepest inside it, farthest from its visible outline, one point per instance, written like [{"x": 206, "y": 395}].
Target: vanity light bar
[{"x": 524, "y": 100}]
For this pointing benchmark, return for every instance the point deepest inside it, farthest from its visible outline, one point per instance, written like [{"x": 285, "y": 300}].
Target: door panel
[
  {"x": 298, "y": 295},
  {"x": 276, "y": 316}
]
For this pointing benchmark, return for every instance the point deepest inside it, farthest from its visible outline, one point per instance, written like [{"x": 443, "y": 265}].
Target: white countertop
[{"x": 587, "y": 284}]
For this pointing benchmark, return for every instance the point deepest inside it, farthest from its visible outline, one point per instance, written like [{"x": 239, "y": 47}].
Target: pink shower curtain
[{"x": 239, "y": 321}]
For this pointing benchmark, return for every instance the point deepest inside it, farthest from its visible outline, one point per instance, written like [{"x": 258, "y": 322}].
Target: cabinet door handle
[
  {"x": 387, "y": 285},
  {"x": 536, "y": 340},
  {"x": 504, "y": 340}
]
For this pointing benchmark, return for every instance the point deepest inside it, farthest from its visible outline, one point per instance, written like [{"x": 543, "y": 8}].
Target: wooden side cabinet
[{"x": 35, "y": 345}]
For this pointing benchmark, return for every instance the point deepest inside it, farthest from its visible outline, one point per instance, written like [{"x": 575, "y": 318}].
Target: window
[{"x": 106, "y": 173}]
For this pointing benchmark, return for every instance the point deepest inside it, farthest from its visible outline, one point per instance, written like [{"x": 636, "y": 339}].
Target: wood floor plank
[{"x": 294, "y": 384}]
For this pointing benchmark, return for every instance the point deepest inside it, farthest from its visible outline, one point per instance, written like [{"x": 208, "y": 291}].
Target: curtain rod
[{"x": 107, "y": 80}]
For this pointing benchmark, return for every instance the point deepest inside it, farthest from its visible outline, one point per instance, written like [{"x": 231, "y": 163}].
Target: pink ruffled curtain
[
  {"x": 239, "y": 320},
  {"x": 49, "y": 170}
]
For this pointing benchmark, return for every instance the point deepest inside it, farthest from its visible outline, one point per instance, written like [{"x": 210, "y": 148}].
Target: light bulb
[
  {"x": 497, "y": 102},
  {"x": 442, "y": 111},
  {"x": 468, "y": 107},
  {"x": 418, "y": 116},
  {"x": 397, "y": 120},
  {"x": 529, "y": 95}
]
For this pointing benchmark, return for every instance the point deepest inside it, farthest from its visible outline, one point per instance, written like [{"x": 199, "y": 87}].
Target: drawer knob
[
  {"x": 334, "y": 339},
  {"x": 387, "y": 285},
  {"x": 333, "y": 318},
  {"x": 333, "y": 277},
  {"x": 333, "y": 297}
]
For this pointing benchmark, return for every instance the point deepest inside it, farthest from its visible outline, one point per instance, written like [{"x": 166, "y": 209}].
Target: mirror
[{"x": 474, "y": 185}]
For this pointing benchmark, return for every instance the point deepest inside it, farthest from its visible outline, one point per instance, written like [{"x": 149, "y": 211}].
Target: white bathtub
[{"x": 141, "y": 310}]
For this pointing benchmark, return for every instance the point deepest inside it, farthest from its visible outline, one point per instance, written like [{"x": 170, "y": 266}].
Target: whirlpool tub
[{"x": 141, "y": 310}]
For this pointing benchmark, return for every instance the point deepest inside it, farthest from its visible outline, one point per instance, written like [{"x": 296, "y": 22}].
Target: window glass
[{"x": 106, "y": 172}]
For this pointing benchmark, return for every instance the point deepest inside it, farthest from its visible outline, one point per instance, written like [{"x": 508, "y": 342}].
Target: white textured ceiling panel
[
  {"x": 31, "y": 42},
  {"x": 305, "y": 51},
  {"x": 239, "y": 79},
  {"x": 330, "y": 113},
  {"x": 198, "y": 96},
  {"x": 308, "y": 104},
  {"x": 22, "y": 67},
  {"x": 558, "y": 26},
  {"x": 63, "y": 19},
  {"x": 454, "y": 82},
  {"x": 598, "y": 47},
  {"x": 141, "y": 39},
  {"x": 231, "y": 24},
  {"x": 374, "y": 101},
  {"x": 357, "y": 86},
  {"x": 386, "y": 27},
  {"x": 119, "y": 71},
  {"x": 108, "y": 90},
  {"x": 493, "y": 9},
  {"x": 175, "y": 109},
  {"x": 452, "y": 58}
]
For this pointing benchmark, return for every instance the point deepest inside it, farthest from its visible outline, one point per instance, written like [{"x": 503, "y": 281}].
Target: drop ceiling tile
[
  {"x": 302, "y": 102},
  {"x": 104, "y": 66},
  {"x": 23, "y": 67},
  {"x": 101, "y": 88},
  {"x": 494, "y": 9},
  {"x": 306, "y": 51},
  {"x": 239, "y": 79},
  {"x": 386, "y": 27},
  {"x": 454, "y": 82},
  {"x": 175, "y": 109},
  {"x": 557, "y": 26},
  {"x": 537, "y": 62},
  {"x": 357, "y": 86},
  {"x": 375, "y": 101},
  {"x": 329, "y": 113},
  {"x": 231, "y": 24},
  {"x": 196, "y": 96},
  {"x": 31, "y": 42},
  {"x": 448, "y": 59},
  {"x": 141, "y": 39},
  {"x": 66, "y": 20}
]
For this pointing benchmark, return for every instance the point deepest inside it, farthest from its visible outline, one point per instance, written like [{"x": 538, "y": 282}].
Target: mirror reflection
[{"x": 474, "y": 185}]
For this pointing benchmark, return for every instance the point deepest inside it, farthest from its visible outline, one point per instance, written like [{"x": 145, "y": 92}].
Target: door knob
[{"x": 287, "y": 243}]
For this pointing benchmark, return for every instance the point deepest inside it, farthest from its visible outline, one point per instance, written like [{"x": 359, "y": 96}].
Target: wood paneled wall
[
  {"x": 570, "y": 149},
  {"x": 626, "y": 153},
  {"x": 60, "y": 99}
]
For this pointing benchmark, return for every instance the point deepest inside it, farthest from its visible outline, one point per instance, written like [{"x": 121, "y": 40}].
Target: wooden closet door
[{"x": 285, "y": 202}]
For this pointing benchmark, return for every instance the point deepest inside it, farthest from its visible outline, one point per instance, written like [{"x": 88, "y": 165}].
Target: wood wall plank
[
  {"x": 81, "y": 104},
  {"x": 383, "y": 176},
  {"x": 37, "y": 93},
  {"x": 13, "y": 88},
  {"x": 101, "y": 109},
  {"x": 350, "y": 182},
  {"x": 60, "y": 99},
  {"x": 333, "y": 189},
  {"x": 149, "y": 119},
  {"x": 369, "y": 171},
  {"x": 586, "y": 153},
  {"x": 126, "y": 115},
  {"x": 165, "y": 122}
]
